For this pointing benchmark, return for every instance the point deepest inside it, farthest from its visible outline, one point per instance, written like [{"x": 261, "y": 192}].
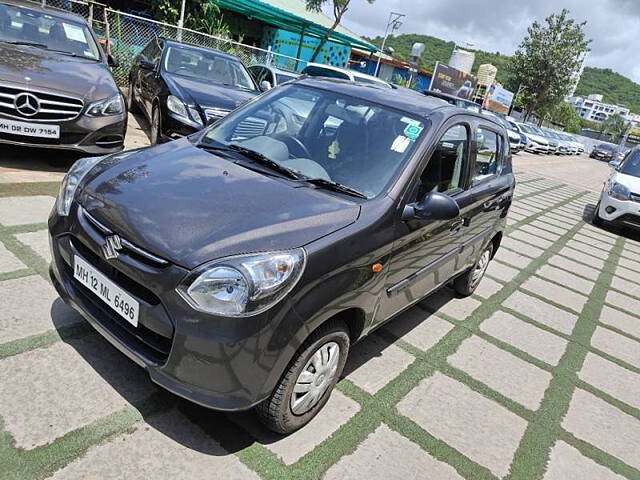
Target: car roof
[
  {"x": 347, "y": 71},
  {"x": 401, "y": 99},
  {"x": 190, "y": 46},
  {"x": 37, "y": 7}
]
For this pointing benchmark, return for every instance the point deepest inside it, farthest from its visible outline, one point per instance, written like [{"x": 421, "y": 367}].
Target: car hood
[
  {"x": 78, "y": 77},
  {"x": 189, "y": 206},
  {"x": 629, "y": 181},
  {"x": 538, "y": 139},
  {"x": 207, "y": 94}
]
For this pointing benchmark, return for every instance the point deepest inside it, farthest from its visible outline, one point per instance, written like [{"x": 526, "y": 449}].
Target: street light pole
[
  {"x": 395, "y": 23},
  {"x": 181, "y": 20}
]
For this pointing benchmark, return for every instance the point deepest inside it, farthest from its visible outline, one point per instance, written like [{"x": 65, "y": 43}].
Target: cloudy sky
[{"x": 500, "y": 25}]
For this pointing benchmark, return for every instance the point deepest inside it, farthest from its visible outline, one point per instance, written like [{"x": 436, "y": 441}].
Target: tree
[
  {"x": 616, "y": 126},
  {"x": 208, "y": 19},
  {"x": 547, "y": 60},
  {"x": 340, "y": 7},
  {"x": 565, "y": 115}
]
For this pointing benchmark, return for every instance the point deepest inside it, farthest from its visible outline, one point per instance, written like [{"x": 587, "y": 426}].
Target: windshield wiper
[
  {"x": 28, "y": 44},
  {"x": 338, "y": 187},
  {"x": 255, "y": 157},
  {"x": 44, "y": 46}
]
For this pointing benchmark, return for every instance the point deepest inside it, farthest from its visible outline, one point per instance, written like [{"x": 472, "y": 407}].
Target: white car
[
  {"x": 620, "y": 199},
  {"x": 329, "y": 71},
  {"x": 535, "y": 142}
]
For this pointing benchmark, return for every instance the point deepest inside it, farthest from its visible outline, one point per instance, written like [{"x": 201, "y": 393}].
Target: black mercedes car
[
  {"x": 56, "y": 89},
  {"x": 181, "y": 88},
  {"x": 238, "y": 266}
]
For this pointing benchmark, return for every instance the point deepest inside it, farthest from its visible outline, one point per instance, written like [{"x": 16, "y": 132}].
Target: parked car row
[
  {"x": 547, "y": 141},
  {"x": 609, "y": 152}
]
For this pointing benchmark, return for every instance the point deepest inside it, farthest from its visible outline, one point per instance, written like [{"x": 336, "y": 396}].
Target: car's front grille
[
  {"x": 38, "y": 105},
  {"x": 630, "y": 219},
  {"x": 249, "y": 128}
]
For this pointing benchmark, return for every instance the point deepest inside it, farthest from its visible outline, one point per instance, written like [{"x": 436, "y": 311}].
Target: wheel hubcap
[
  {"x": 315, "y": 378},
  {"x": 480, "y": 268}
]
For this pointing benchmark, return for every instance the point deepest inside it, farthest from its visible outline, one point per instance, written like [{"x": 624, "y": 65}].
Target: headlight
[
  {"x": 107, "y": 107},
  {"x": 71, "y": 181},
  {"x": 177, "y": 106},
  {"x": 619, "y": 192},
  {"x": 244, "y": 285}
]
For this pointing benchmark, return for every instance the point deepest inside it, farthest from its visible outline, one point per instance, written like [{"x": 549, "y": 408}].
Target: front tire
[
  {"x": 307, "y": 384},
  {"x": 132, "y": 106},
  {"x": 597, "y": 219},
  {"x": 467, "y": 283}
]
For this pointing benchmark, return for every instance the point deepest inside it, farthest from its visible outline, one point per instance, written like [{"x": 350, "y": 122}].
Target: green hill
[{"x": 616, "y": 88}]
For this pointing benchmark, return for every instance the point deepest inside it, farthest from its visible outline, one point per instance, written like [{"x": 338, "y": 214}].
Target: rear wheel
[
  {"x": 156, "y": 127},
  {"x": 307, "y": 384},
  {"x": 132, "y": 106},
  {"x": 466, "y": 284}
]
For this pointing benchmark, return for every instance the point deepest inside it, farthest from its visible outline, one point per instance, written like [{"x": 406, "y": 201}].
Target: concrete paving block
[
  {"x": 24, "y": 210},
  {"x": 585, "y": 258},
  {"x": 549, "y": 227},
  {"x": 560, "y": 226},
  {"x": 617, "y": 381},
  {"x": 604, "y": 426},
  {"x": 512, "y": 258},
  {"x": 166, "y": 446},
  {"x": 625, "y": 322},
  {"x": 386, "y": 455},
  {"x": 555, "y": 293},
  {"x": 617, "y": 346},
  {"x": 52, "y": 391},
  {"x": 503, "y": 372},
  {"x": 30, "y": 306},
  {"x": 629, "y": 275},
  {"x": 596, "y": 252},
  {"x": 625, "y": 286},
  {"x": 8, "y": 261},
  {"x": 419, "y": 328},
  {"x": 565, "y": 278},
  {"x": 373, "y": 363},
  {"x": 502, "y": 272},
  {"x": 567, "y": 463},
  {"x": 38, "y": 242},
  {"x": 477, "y": 427},
  {"x": 629, "y": 264},
  {"x": 488, "y": 288},
  {"x": 589, "y": 239},
  {"x": 521, "y": 248},
  {"x": 531, "y": 239},
  {"x": 444, "y": 301},
  {"x": 574, "y": 267},
  {"x": 291, "y": 448},
  {"x": 541, "y": 312},
  {"x": 623, "y": 302},
  {"x": 530, "y": 339},
  {"x": 539, "y": 232}
]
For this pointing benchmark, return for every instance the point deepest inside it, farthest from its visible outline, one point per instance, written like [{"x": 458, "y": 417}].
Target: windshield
[
  {"x": 322, "y": 134},
  {"x": 282, "y": 77},
  {"x": 46, "y": 31},
  {"x": 631, "y": 164},
  {"x": 528, "y": 129},
  {"x": 207, "y": 66}
]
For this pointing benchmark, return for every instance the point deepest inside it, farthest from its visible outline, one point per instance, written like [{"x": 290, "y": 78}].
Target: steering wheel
[{"x": 294, "y": 144}]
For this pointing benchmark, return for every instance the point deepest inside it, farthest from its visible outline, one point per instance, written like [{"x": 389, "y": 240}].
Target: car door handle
[{"x": 456, "y": 226}]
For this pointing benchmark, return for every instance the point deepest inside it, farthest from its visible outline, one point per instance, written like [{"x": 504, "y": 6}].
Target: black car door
[
  {"x": 149, "y": 76},
  {"x": 428, "y": 254},
  {"x": 491, "y": 185}
]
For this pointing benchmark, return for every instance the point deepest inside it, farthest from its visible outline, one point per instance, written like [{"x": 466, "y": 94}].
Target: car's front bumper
[
  {"x": 624, "y": 213},
  {"x": 220, "y": 363},
  {"x": 90, "y": 135}
]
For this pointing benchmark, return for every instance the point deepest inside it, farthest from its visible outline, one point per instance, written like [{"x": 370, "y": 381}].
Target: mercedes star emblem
[{"x": 27, "y": 104}]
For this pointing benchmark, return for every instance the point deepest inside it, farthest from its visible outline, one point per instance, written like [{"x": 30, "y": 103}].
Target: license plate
[
  {"x": 106, "y": 290},
  {"x": 29, "y": 129}
]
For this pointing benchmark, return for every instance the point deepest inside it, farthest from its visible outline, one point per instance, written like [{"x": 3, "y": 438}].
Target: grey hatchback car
[{"x": 239, "y": 265}]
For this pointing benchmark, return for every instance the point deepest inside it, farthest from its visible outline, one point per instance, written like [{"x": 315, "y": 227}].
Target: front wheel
[
  {"x": 597, "y": 219},
  {"x": 132, "y": 106},
  {"x": 467, "y": 283},
  {"x": 156, "y": 126},
  {"x": 307, "y": 384}
]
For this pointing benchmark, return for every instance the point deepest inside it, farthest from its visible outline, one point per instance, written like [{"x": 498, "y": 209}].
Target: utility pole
[
  {"x": 394, "y": 23},
  {"x": 181, "y": 20}
]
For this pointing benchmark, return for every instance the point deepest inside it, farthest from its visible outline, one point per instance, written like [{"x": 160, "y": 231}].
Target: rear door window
[{"x": 488, "y": 157}]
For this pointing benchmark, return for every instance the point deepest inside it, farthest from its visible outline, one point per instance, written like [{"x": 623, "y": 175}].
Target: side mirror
[
  {"x": 434, "y": 206},
  {"x": 265, "y": 85},
  {"x": 112, "y": 61},
  {"x": 147, "y": 65}
]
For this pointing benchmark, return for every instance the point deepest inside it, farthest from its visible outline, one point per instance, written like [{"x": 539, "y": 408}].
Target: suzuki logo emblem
[
  {"x": 111, "y": 247},
  {"x": 27, "y": 104}
]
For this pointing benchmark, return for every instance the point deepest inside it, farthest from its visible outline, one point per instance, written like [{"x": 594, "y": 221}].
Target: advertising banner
[
  {"x": 498, "y": 99},
  {"x": 449, "y": 80}
]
